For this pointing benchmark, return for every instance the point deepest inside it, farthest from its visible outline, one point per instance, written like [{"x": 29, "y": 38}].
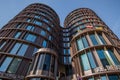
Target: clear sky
[{"x": 107, "y": 10}]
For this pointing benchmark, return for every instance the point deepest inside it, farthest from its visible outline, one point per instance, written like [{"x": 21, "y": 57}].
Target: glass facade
[
  {"x": 5, "y": 64},
  {"x": 82, "y": 43},
  {"x": 113, "y": 77},
  {"x": 91, "y": 59},
  {"x": 2, "y": 44},
  {"x": 31, "y": 28},
  {"x": 30, "y": 37},
  {"x": 84, "y": 62},
  {"x": 97, "y": 39},
  {"x": 17, "y": 35},
  {"x": 19, "y": 49},
  {"x": 107, "y": 57},
  {"x": 46, "y": 65},
  {"x": 44, "y": 44},
  {"x": 87, "y": 61},
  {"x": 14, "y": 65},
  {"x": 93, "y": 39}
]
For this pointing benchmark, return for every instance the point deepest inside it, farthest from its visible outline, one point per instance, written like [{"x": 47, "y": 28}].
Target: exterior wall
[{"x": 94, "y": 47}]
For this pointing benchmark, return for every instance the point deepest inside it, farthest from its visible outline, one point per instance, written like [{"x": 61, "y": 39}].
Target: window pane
[
  {"x": 46, "y": 65},
  {"x": 17, "y": 35},
  {"x": 93, "y": 39},
  {"x": 30, "y": 37},
  {"x": 85, "y": 42},
  {"x": 14, "y": 65},
  {"x": 80, "y": 44},
  {"x": 38, "y": 23},
  {"x": 28, "y": 20},
  {"x": 2, "y": 44},
  {"x": 42, "y": 33},
  {"x": 35, "y": 50},
  {"x": 102, "y": 39},
  {"x": 113, "y": 77},
  {"x": 48, "y": 28},
  {"x": 113, "y": 57},
  {"x": 102, "y": 57},
  {"x": 91, "y": 79},
  {"x": 91, "y": 59},
  {"x": 41, "y": 61},
  {"x": 15, "y": 48},
  {"x": 50, "y": 38},
  {"x": 85, "y": 62},
  {"x": 18, "y": 25},
  {"x": 44, "y": 43},
  {"x": 31, "y": 28},
  {"x": 5, "y": 64},
  {"x": 103, "y": 78},
  {"x": 22, "y": 50}
]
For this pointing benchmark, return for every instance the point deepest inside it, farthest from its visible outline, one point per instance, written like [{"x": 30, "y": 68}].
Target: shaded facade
[
  {"x": 33, "y": 46},
  {"x": 36, "y": 27}
]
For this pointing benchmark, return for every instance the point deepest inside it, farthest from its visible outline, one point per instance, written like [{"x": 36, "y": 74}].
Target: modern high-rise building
[{"x": 33, "y": 46}]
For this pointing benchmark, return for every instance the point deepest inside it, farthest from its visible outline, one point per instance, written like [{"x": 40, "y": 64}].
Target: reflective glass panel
[{"x": 5, "y": 64}]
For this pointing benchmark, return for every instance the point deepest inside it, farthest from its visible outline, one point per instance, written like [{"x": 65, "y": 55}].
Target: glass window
[
  {"x": 38, "y": 23},
  {"x": 82, "y": 27},
  {"x": 36, "y": 16},
  {"x": 28, "y": 20},
  {"x": 80, "y": 44},
  {"x": 91, "y": 79},
  {"x": 14, "y": 65},
  {"x": 93, "y": 39},
  {"x": 50, "y": 38},
  {"x": 102, "y": 57},
  {"x": 5, "y": 64},
  {"x": 19, "y": 48},
  {"x": 41, "y": 61},
  {"x": 65, "y": 60},
  {"x": 85, "y": 62},
  {"x": 101, "y": 39},
  {"x": 103, "y": 78},
  {"x": 85, "y": 42},
  {"x": 46, "y": 20},
  {"x": 46, "y": 65},
  {"x": 22, "y": 50},
  {"x": 30, "y": 37},
  {"x": 69, "y": 59},
  {"x": 113, "y": 57},
  {"x": 31, "y": 28},
  {"x": 2, "y": 44},
  {"x": 35, "y": 50},
  {"x": 17, "y": 35},
  {"x": 18, "y": 25},
  {"x": 91, "y": 59},
  {"x": 42, "y": 33},
  {"x": 44, "y": 43},
  {"x": 15, "y": 48},
  {"x": 48, "y": 28},
  {"x": 113, "y": 77}
]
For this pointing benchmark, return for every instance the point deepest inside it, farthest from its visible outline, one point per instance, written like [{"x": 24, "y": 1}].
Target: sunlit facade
[
  {"x": 94, "y": 47},
  {"x": 33, "y": 46}
]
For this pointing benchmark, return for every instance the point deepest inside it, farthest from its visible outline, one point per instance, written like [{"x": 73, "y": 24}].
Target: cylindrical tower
[
  {"x": 94, "y": 47},
  {"x": 36, "y": 27}
]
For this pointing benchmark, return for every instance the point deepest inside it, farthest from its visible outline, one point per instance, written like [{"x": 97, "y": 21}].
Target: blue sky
[{"x": 107, "y": 10}]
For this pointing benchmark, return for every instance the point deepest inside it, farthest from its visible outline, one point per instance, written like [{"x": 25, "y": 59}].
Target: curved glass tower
[
  {"x": 34, "y": 29},
  {"x": 94, "y": 47},
  {"x": 33, "y": 46}
]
